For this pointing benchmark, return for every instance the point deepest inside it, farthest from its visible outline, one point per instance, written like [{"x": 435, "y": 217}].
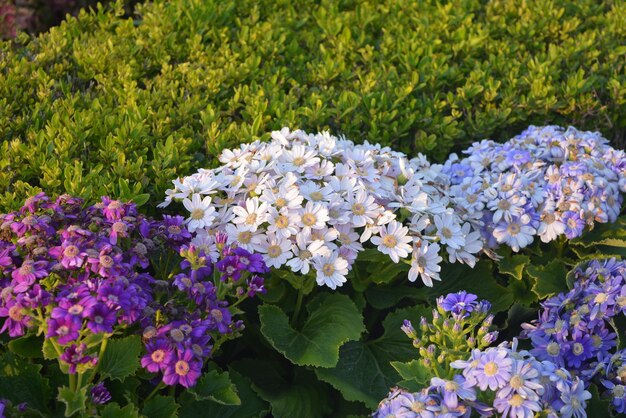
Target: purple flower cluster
[
  {"x": 611, "y": 377},
  {"x": 498, "y": 380},
  {"x": 73, "y": 273},
  {"x": 545, "y": 182},
  {"x": 198, "y": 314},
  {"x": 574, "y": 329}
]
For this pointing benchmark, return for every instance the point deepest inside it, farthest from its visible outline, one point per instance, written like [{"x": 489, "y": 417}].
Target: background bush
[{"x": 106, "y": 104}]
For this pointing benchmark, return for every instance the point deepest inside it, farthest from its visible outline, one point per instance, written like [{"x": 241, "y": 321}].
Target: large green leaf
[
  {"x": 364, "y": 372},
  {"x": 216, "y": 386},
  {"x": 549, "y": 279},
  {"x": 21, "y": 381},
  {"x": 333, "y": 320},
  {"x": 113, "y": 410},
  {"x": 121, "y": 358},
  {"x": 416, "y": 376},
  {"x": 253, "y": 406},
  {"x": 160, "y": 407},
  {"x": 75, "y": 402},
  {"x": 298, "y": 395},
  {"x": 28, "y": 346},
  {"x": 513, "y": 264}
]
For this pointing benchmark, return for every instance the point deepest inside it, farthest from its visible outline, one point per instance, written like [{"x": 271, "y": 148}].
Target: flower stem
[
  {"x": 296, "y": 310},
  {"x": 103, "y": 347},
  {"x": 154, "y": 392}
]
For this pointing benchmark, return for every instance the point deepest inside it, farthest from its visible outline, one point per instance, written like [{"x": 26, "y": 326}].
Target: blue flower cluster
[
  {"x": 545, "y": 182},
  {"x": 576, "y": 330},
  {"x": 499, "y": 379}
]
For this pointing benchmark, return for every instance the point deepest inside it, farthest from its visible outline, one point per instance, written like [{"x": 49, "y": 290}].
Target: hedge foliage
[{"x": 106, "y": 104}]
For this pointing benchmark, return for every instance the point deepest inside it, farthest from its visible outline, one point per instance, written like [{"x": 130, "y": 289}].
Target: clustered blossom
[
  {"x": 71, "y": 274},
  {"x": 459, "y": 324},
  {"x": 312, "y": 202},
  {"x": 198, "y": 314},
  {"x": 576, "y": 330},
  {"x": 546, "y": 182},
  {"x": 498, "y": 380}
]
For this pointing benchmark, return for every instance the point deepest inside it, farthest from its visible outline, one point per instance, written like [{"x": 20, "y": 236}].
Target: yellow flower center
[
  {"x": 358, "y": 209},
  {"x": 197, "y": 214},
  {"x": 274, "y": 251},
  {"x": 491, "y": 368},
  {"x": 390, "y": 241},
  {"x": 328, "y": 269},
  {"x": 157, "y": 356},
  {"x": 182, "y": 368},
  {"x": 308, "y": 219},
  {"x": 516, "y": 400}
]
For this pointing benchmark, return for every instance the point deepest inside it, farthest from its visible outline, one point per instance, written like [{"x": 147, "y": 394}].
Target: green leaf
[
  {"x": 299, "y": 395},
  {"x": 121, "y": 358},
  {"x": 549, "y": 279},
  {"x": 415, "y": 375},
  {"x": 333, "y": 320},
  {"x": 513, "y": 264},
  {"x": 364, "y": 372},
  {"x": 253, "y": 406},
  {"x": 306, "y": 283},
  {"x": 160, "y": 407},
  {"x": 75, "y": 402},
  {"x": 21, "y": 381},
  {"x": 597, "y": 406},
  {"x": 29, "y": 346},
  {"x": 216, "y": 386},
  {"x": 141, "y": 199},
  {"x": 113, "y": 410}
]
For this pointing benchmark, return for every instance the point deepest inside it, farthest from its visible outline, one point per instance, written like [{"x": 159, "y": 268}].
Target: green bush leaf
[
  {"x": 121, "y": 358},
  {"x": 549, "y": 279},
  {"x": 160, "y": 407},
  {"x": 75, "y": 402},
  {"x": 216, "y": 386},
  {"x": 113, "y": 410},
  {"x": 333, "y": 320}
]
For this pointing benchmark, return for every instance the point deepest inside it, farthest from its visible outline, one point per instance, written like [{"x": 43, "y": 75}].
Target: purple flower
[
  {"x": 220, "y": 318},
  {"x": 27, "y": 274},
  {"x": 580, "y": 350},
  {"x": 99, "y": 394},
  {"x": 101, "y": 319},
  {"x": 229, "y": 266},
  {"x": 459, "y": 303},
  {"x": 72, "y": 257},
  {"x": 574, "y": 401},
  {"x": 16, "y": 316},
  {"x": 175, "y": 228},
  {"x": 107, "y": 262},
  {"x": 118, "y": 230},
  {"x": 184, "y": 369},
  {"x": 452, "y": 390},
  {"x": 493, "y": 370},
  {"x": 66, "y": 328},
  {"x": 574, "y": 224},
  {"x": 113, "y": 210},
  {"x": 158, "y": 356},
  {"x": 524, "y": 381},
  {"x": 75, "y": 355},
  {"x": 252, "y": 262},
  {"x": 516, "y": 406}
]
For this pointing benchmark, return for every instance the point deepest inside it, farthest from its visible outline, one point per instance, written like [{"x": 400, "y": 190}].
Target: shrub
[{"x": 106, "y": 104}]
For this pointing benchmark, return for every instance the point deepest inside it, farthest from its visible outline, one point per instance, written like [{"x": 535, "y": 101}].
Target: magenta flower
[
  {"x": 185, "y": 370},
  {"x": 72, "y": 257},
  {"x": 27, "y": 274},
  {"x": 75, "y": 355},
  {"x": 16, "y": 320},
  {"x": 66, "y": 328},
  {"x": 159, "y": 356}
]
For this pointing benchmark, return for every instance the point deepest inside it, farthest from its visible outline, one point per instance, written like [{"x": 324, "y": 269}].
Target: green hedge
[{"x": 106, "y": 104}]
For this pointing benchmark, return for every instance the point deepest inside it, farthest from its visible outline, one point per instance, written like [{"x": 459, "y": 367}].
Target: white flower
[
  {"x": 449, "y": 231},
  {"x": 253, "y": 215},
  {"x": 285, "y": 198},
  {"x": 551, "y": 227},
  {"x": 348, "y": 238},
  {"x": 206, "y": 242},
  {"x": 298, "y": 158},
  {"x": 315, "y": 192},
  {"x": 473, "y": 244},
  {"x": 276, "y": 250},
  {"x": 283, "y": 222},
  {"x": 201, "y": 212},
  {"x": 393, "y": 240},
  {"x": 242, "y": 236},
  {"x": 304, "y": 252},
  {"x": 516, "y": 234},
  {"x": 362, "y": 208},
  {"x": 425, "y": 263},
  {"x": 331, "y": 270},
  {"x": 313, "y": 216}
]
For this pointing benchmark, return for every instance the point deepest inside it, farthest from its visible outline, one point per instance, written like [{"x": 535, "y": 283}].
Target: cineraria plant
[
  {"x": 547, "y": 182},
  {"x": 578, "y": 330},
  {"x": 499, "y": 379},
  {"x": 312, "y": 203},
  {"x": 78, "y": 285}
]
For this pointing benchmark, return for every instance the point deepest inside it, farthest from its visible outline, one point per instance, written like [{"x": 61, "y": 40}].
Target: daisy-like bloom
[
  {"x": 493, "y": 370},
  {"x": 394, "y": 241},
  {"x": 425, "y": 261},
  {"x": 575, "y": 401},
  {"x": 458, "y": 303},
  {"x": 201, "y": 212},
  {"x": 449, "y": 231},
  {"x": 298, "y": 159},
  {"x": 185, "y": 370},
  {"x": 276, "y": 250},
  {"x": 551, "y": 227},
  {"x": 313, "y": 216},
  {"x": 516, "y": 406},
  {"x": 361, "y": 208},
  {"x": 524, "y": 381},
  {"x": 252, "y": 215},
  {"x": 283, "y": 223},
  {"x": 331, "y": 270},
  {"x": 305, "y": 251},
  {"x": 516, "y": 234},
  {"x": 452, "y": 390}
]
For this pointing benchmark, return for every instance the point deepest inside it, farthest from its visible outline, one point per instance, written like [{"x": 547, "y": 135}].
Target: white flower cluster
[{"x": 313, "y": 202}]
